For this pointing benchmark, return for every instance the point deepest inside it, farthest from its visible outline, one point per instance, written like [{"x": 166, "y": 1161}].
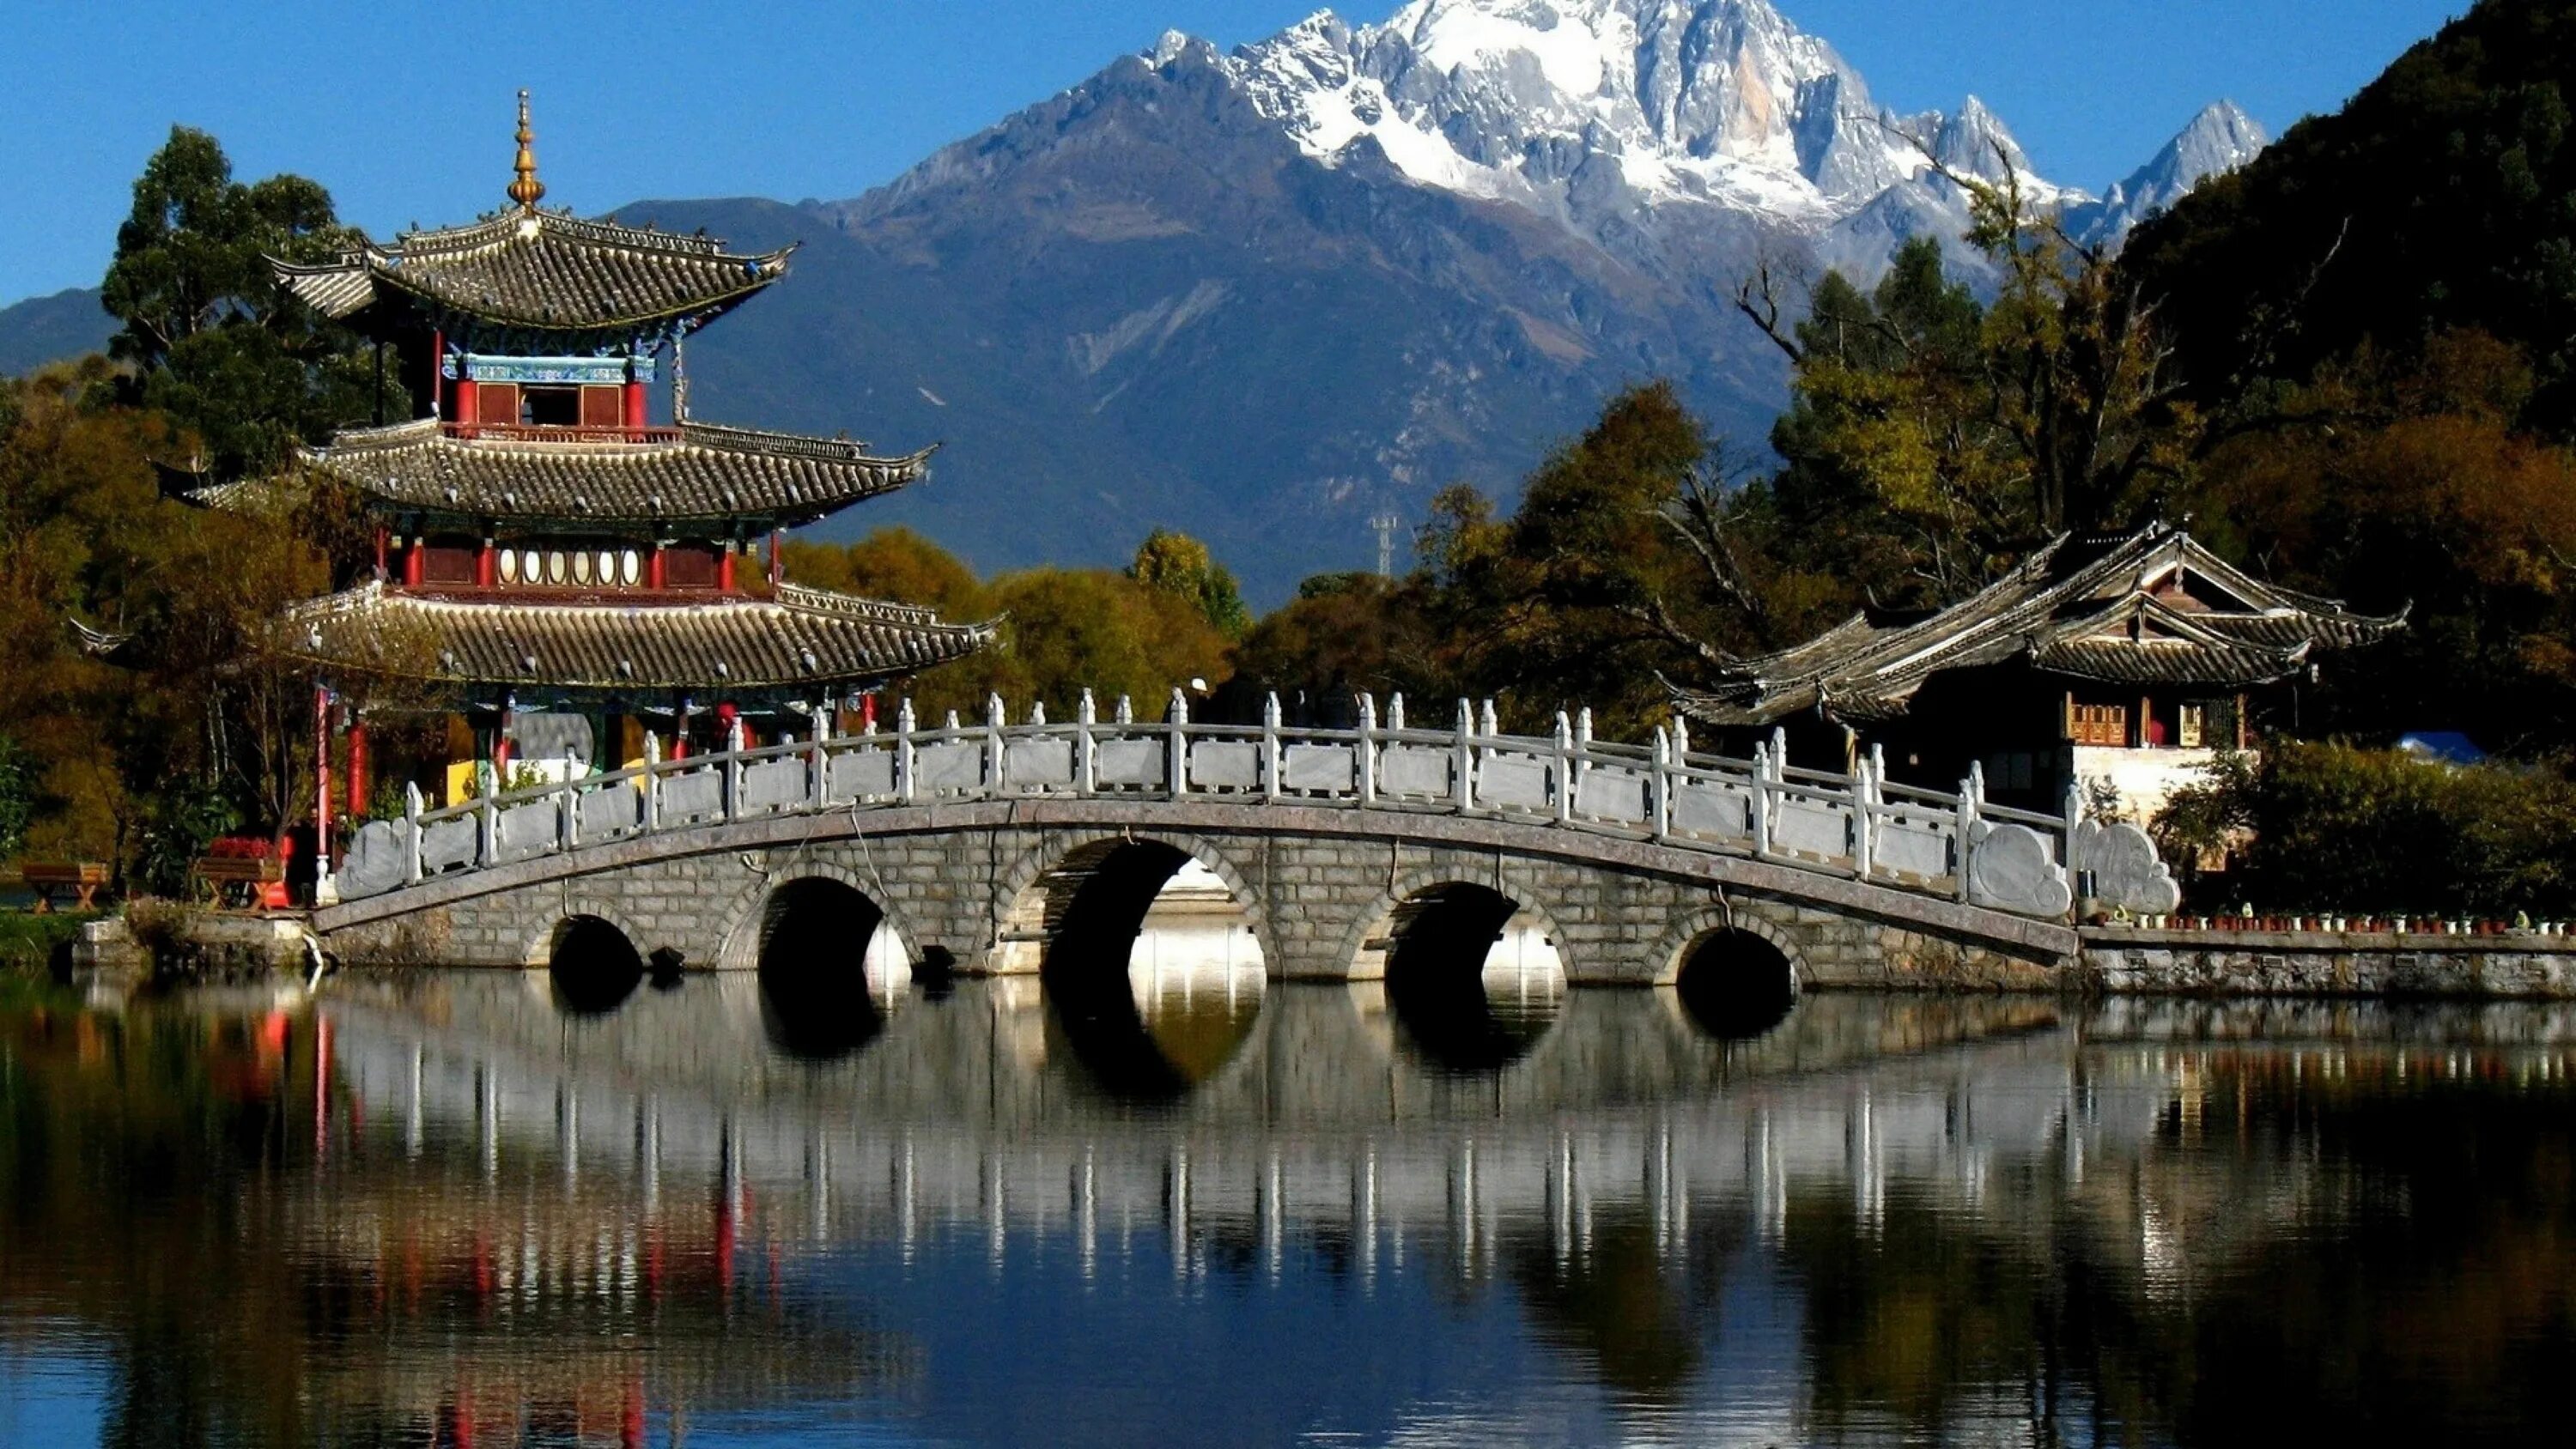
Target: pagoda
[{"x": 560, "y": 573}]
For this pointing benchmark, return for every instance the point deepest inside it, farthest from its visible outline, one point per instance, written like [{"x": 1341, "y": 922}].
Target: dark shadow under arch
[
  {"x": 591, "y": 967},
  {"x": 816, "y": 1002},
  {"x": 1435, "y": 979},
  {"x": 1098, "y": 900},
  {"x": 1736, "y": 985}
]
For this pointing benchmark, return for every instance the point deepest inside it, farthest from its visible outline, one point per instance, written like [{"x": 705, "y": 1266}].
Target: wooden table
[
  {"x": 237, "y": 880},
  {"x": 85, "y": 879}
]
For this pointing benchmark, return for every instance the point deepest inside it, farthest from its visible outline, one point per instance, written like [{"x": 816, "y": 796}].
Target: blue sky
[{"x": 403, "y": 109}]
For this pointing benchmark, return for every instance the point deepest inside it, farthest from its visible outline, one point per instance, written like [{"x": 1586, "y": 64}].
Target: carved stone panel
[
  {"x": 1322, "y": 767},
  {"x": 449, "y": 844},
  {"x": 1610, "y": 793},
  {"x": 528, "y": 830},
  {"x": 2015, "y": 869},
  {"x": 692, "y": 797},
  {"x": 375, "y": 863},
  {"x": 1225, "y": 765},
  {"x": 860, "y": 775},
  {"x": 1912, "y": 847},
  {"x": 1130, "y": 762},
  {"x": 1810, "y": 827},
  {"x": 1035, "y": 763},
  {"x": 2127, "y": 872},
  {"x": 949, "y": 767},
  {"x": 1414, "y": 770},
  {"x": 1705, "y": 807},
  {"x": 611, "y": 810},
  {"x": 1516, "y": 782},
  {"x": 770, "y": 784}
]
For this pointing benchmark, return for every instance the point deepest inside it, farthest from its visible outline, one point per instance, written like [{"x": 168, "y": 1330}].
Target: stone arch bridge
[{"x": 981, "y": 844}]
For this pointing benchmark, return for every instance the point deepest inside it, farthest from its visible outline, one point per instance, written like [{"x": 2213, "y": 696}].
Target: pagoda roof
[
  {"x": 799, "y": 638},
  {"x": 2148, "y": 607},
  {"x": 694, "y": 473},
  {"x": 546, "y": 272}
]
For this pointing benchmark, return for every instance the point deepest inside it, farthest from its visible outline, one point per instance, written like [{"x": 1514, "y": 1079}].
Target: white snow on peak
[{"x": 1624, "y": 117}]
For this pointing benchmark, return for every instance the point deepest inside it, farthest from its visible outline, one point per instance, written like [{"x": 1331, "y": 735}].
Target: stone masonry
[{"x": 970, "y": 885}]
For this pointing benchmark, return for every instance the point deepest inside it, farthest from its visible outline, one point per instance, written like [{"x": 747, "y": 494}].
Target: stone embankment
[{"x": 2513, "y": 965}]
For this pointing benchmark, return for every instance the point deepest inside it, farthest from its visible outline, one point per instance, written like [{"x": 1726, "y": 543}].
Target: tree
[
  {"x": 18, "y": 797},
  {"x": 1180, "y": 565},
  {"x": 215, "y": 342}
]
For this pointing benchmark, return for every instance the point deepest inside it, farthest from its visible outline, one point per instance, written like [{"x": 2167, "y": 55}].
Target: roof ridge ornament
[{"x": 526, "y": 190}]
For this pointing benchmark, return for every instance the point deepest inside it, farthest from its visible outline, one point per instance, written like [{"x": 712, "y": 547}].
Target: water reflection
[
  {"x": 1472, "y": 977},
  {"x": 440, "y": 1209}
]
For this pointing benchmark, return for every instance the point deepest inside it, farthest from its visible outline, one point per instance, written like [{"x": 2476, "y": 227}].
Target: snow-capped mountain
[
  {"x": 1265, "y": 296},
  {"x": 2219, "y": 140},
  {"x": 1626, "y": 119}
]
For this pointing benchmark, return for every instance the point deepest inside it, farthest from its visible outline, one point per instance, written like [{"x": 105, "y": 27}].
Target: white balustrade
[{"x": 1859, "y": 826}]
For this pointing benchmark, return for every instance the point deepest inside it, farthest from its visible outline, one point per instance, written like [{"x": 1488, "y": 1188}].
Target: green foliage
[
  {"x": 1179, "y": 565},
  {"x": 2437, "y": 198},
  {"x": 31, "y": 943},
  {"x": 216, "y": 343},
  {"x": 180, "y": 821},
  {"x": 18, "y": 796},
  {"x": 2334, "y": 828}
]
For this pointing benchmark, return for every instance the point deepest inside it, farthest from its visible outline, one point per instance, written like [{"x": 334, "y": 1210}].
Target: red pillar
[
  {"x": 501, "y": 751},
  {"x": 412, "y": 561},
  {"x": 357, "y": 765},
  {"x": 381, "y": 555},
  {"x": 321, "y": 782},
  {"x": 438, "y": 374},
  {"x": 634, "y": 403},
  {"x": 724, "y": 570},
  {"x": 777, "y": 567},
  {"x": 487, "y": 566},
  {"x": 467, "y": 401},
  {"x": 653, "y": 571}
]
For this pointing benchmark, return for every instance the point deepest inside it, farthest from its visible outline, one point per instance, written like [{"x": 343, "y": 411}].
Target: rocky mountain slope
[{"x": 1268, "y": 296}]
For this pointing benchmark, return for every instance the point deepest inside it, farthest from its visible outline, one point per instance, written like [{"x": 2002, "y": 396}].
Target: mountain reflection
[{"x": 448, "y": 1209}]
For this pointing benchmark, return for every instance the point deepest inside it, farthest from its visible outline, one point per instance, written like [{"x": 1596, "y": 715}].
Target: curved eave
[
  {"x": 709, "y": 477},
  {"x": 802, "y": 640}
]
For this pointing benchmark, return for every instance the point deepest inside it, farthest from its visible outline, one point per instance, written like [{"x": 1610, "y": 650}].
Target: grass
[{"x": 29, "y": 942}]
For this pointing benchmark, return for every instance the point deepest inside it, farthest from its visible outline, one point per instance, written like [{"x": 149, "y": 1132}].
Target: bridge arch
[
  {"x": 1078, "y": 921},
  {"x": 752, "y": 918},
  {"x": 1734, "y": 975},
  {"x": 1433, "y": 945},
  {"x": 1371, "y": 938},
  {"x": 592, "y": 963},
  {"x": 1033, "y": 899}
]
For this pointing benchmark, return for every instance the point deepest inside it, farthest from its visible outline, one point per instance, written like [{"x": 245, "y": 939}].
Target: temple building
[
  {"x": 2120, "y": 665},
  {"x": 555, "y": 572}
]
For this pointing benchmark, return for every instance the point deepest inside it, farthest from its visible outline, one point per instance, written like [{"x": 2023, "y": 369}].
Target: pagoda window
[
  {"x": 689, "y": 566},
  {"x": 449, "y": 561},
  {"x": 603, "y": 407},
  {"x": 550, "y": 407},
  {"x": 497, "y": 402}
]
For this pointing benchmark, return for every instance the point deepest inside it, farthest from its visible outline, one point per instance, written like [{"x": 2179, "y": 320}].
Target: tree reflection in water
[{"x": 439, "y": 1209}]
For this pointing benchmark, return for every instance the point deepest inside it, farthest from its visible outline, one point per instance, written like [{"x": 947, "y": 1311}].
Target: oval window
[
  {"x": 509, "y": 567},
  {"x": 581, "y": 568},
  {"x": 607, "y": 567},
  {"x": 554, "y": 568},
  {"x": 529, "y": 568},
  {"x": 629, "y": 568}
]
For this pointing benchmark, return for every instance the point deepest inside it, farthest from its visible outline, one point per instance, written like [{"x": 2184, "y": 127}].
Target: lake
[{"x": 1196, "y": 1207}]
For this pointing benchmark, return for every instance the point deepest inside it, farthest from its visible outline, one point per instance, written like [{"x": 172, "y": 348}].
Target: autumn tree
[{"x": 1180, "y": 565}]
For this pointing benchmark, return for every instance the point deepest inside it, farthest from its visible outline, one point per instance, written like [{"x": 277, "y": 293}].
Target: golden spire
[{"x": 527, "y": 189}]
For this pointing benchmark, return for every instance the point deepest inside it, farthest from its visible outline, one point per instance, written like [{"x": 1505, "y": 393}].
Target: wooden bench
[
  {"x": 239, "y": 881},
  {"x": 48, "y": 879}
]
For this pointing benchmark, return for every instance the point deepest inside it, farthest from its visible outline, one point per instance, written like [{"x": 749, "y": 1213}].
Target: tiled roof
[
  {"x": 801, "y": 638},
  {"x": 2148, "y": 607},
  {"x": 695, "y": 473},
  {"x": 543, "y": 271}
]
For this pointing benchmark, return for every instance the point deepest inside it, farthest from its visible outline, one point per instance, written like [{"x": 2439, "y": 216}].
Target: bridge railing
[{"x": 1859, "y": 826}]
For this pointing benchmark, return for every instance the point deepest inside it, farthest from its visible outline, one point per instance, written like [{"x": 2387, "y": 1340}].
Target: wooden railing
[
  {"x": 548, "y": 433},
  {"x": 1857, "y": 827}
]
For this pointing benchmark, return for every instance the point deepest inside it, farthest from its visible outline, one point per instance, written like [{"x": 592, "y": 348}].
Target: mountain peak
[{"x": 2218, "y": 140}]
